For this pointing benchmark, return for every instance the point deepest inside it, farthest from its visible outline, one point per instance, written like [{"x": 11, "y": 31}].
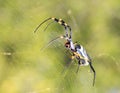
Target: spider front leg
[{"x": 50, "y": 42}]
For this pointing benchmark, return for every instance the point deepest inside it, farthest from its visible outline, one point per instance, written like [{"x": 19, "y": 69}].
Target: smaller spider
[{"x": 77, "y": 50}]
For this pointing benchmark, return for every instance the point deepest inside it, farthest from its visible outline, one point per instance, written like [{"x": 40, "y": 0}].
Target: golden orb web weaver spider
[{"x": 77, "y": 50}]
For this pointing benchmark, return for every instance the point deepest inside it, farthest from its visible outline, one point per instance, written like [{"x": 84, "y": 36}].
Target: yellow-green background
[{"x": 25, "y": 69}]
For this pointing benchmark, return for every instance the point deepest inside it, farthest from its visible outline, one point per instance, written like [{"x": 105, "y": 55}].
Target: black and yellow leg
[
  {"x": 60, "y": 21},
  {"x": 66, "y": 26}
]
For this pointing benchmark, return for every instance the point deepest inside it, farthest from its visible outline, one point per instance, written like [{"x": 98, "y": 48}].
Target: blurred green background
[{"x": 25, "y": 69}]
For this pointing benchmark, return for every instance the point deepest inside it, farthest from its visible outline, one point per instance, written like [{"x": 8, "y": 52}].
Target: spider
[{"x": 77, "y": 50}]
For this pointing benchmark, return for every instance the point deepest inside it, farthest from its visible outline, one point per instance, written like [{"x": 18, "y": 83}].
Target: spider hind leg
[
  {"x": 78, "y": 66},
  {"x": 93, "y": 72}
]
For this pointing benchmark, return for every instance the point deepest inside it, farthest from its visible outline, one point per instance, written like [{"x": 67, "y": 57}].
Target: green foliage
[{"x": 26, "y": 69}]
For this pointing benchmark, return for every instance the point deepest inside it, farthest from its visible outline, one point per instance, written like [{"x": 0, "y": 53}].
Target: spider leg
[
  {"x": 70, "y": 32},
  {"x": 49, "y": 43},
  {"x": 59, "y": 21},
  {"x": 70, "y": 63},
  {"x": 66, "y": 30},
  {"x": 65, "y": 25},
  {"x": 78, "y": 66},
  {"x": 48, "y": 25},
  {"x": 93, "y": 72},
  {"x": 41, "y": 24}
]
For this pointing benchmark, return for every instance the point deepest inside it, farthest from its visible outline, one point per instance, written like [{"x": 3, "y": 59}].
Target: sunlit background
[{"x": 25, "y": 68}]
